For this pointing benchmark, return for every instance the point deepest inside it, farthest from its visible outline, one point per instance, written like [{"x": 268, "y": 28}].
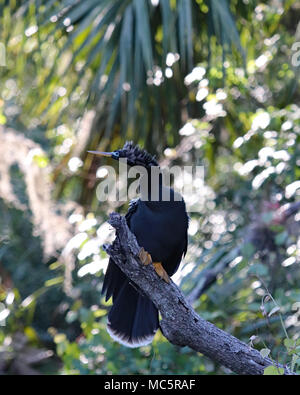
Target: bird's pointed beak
[{"x": 99, "y": 153}]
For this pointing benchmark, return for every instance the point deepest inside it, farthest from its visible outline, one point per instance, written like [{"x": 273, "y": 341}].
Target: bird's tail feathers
[{"x": 133, "y": 318}]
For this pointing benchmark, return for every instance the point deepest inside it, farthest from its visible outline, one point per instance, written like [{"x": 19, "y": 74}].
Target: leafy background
[{"x": 195, "y": 82}]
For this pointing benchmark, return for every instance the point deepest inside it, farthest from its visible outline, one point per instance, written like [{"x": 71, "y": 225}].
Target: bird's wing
[
  {"x": 186, "y": 237},
  {"x": 133, "y": 205},
  {"x": 114, "y": 278}
]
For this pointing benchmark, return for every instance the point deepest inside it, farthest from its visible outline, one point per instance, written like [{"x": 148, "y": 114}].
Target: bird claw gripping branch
[{"x": 146, "y": 259}]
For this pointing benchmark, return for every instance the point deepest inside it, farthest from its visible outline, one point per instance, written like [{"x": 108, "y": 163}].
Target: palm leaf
[
  {"x": 185, "y": 31},
  {"x": 143, "y": 31},
  {"x": 223, "y": 25},
  {"x": 117, "y": 39}
]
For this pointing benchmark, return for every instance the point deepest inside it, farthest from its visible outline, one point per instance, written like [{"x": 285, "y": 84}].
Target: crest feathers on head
[{"x": 136, "y": 155}]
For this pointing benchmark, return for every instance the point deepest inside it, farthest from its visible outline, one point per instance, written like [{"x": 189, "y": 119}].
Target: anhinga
[{"x": 160, "y": 227}]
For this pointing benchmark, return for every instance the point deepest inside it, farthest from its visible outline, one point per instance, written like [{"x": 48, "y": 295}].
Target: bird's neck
[
  {"x": 154, "y": 192},
  {"x": 151, "y": 184}
]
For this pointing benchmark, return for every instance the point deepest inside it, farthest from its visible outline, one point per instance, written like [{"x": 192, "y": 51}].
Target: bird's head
[{"x": 135, "y": 155}]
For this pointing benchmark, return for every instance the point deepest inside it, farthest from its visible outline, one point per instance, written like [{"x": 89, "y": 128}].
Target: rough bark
[{"x": 180, "y": 324}]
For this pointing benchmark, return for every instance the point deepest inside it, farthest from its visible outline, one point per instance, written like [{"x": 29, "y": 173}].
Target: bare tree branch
[
  {"x": 259, "y": 235},
  {"x": 286, "y": 211},
  {"x": 180, "y": 324},
  {"x": 209, "y": 276}
]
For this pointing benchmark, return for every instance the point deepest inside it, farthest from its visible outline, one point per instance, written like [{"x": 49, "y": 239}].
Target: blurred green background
[{"x": 202, "y": 82}]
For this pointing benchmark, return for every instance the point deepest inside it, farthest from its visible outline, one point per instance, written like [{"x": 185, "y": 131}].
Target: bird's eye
[{"x": 116, "y": 155}]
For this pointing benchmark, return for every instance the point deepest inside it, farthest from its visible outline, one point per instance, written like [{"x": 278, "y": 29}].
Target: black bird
[{"x": 160, "y": 227}]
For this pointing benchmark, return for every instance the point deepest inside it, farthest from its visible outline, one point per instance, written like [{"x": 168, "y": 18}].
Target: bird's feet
[
  {"x": 146, "y": 259},
  {"x": 158, "y": 267}
]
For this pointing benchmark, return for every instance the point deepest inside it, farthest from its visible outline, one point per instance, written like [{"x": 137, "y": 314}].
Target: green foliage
[
  {"x": 127, "y": 51},
  {"x": 273, "y": 371},
  {"x": 94, "y": 353}
]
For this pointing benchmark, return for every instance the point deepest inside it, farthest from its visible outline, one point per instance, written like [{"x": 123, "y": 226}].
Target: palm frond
[
  {"x": 122, "y": 48},
  {"x": 223, "y": 25}
]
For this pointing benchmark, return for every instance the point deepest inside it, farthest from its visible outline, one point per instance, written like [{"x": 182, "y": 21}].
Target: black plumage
[{"x": 161, "y": 229}]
